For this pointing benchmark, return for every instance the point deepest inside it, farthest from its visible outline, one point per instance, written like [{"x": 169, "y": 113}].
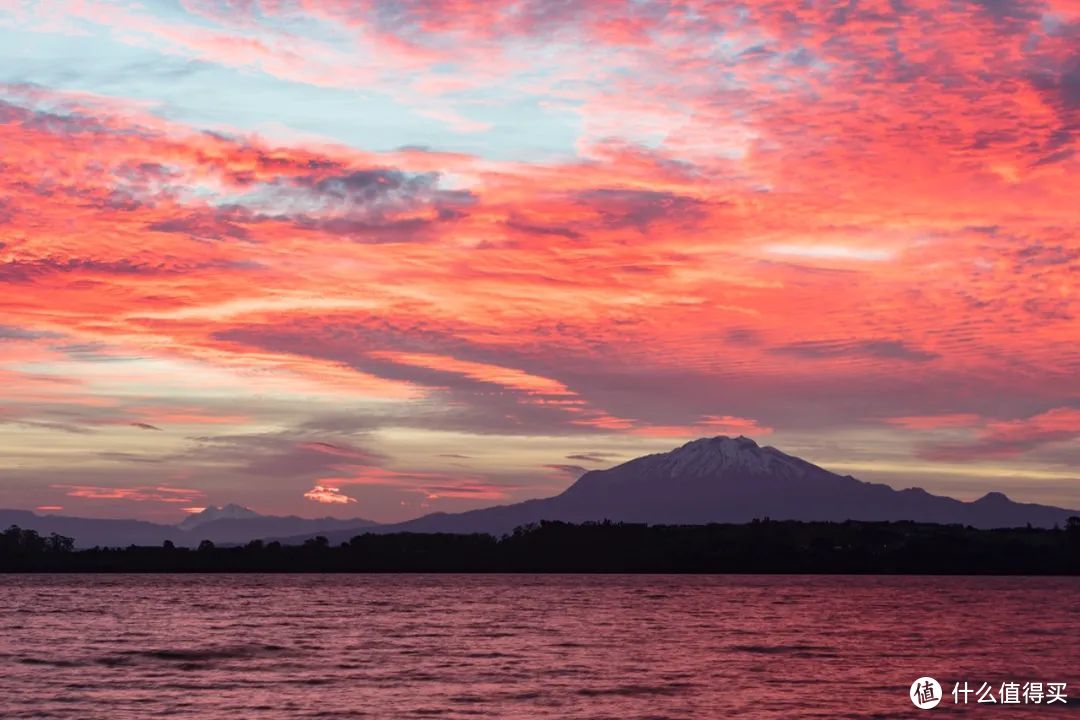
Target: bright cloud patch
[{"x": 328, "y": 495}]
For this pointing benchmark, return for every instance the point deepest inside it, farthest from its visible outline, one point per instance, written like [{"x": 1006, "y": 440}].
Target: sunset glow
[{"x": 388, "y": 257}]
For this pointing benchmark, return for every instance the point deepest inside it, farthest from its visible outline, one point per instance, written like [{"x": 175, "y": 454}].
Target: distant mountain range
[
  {"x": 211, "y": 514},
  {"x": 221, "y": 525},
  {"x": 720, "y": 479}
]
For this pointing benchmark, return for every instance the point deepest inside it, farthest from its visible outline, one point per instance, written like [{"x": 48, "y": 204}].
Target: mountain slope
[{"x": 732, "y": 480}]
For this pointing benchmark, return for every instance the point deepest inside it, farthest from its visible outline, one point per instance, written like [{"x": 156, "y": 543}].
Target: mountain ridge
[{"x": 730, "y": 480}]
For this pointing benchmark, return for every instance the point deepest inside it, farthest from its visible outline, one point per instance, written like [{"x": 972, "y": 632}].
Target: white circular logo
[{"x": 925, "y": 693}]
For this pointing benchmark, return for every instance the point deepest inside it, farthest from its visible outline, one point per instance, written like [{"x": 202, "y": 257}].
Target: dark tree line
[
  {"x": 18, "y": 543},
  {"x": 761, "y": 546}
]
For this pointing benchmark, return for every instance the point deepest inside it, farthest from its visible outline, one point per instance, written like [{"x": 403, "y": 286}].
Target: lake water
[{"x": 522, "y": 646}]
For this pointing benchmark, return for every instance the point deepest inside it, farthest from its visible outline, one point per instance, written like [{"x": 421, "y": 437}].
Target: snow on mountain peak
[
  {"x": 704, "y": 465},
  {"x": 712, "y": 457},
  {"x": 230, "y": 511},
  {"x": 722, "y": 444},
  {"x": 707, "y": 456}
]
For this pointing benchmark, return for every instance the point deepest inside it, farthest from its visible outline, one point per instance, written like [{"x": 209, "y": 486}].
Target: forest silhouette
[{"x": 762, "y": 546}]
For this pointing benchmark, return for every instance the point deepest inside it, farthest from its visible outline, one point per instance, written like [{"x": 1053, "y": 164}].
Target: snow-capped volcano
[
  {"x": 711, "y": 457},
  {"x": 716, "y": 479},
  {"x": 230, "y": 511},
  {"x": 735, "y": 480}
]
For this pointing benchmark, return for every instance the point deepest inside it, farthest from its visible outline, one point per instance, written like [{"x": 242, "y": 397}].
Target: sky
[{"x": 378, "y": 258}]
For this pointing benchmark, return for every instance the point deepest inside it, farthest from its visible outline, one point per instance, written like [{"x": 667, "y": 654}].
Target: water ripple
[{"x": 519, "y": 647}]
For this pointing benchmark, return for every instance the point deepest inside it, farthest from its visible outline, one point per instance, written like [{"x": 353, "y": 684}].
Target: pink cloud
[
  {"x": 1009, "y": 438},
  {"x": 136, "y": 494}
]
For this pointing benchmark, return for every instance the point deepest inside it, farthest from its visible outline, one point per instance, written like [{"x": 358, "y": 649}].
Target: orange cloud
[{"x": 186, "y": 416}]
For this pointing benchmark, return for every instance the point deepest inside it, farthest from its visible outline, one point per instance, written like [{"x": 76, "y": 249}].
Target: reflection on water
[{"x": 421, "y": 646}]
